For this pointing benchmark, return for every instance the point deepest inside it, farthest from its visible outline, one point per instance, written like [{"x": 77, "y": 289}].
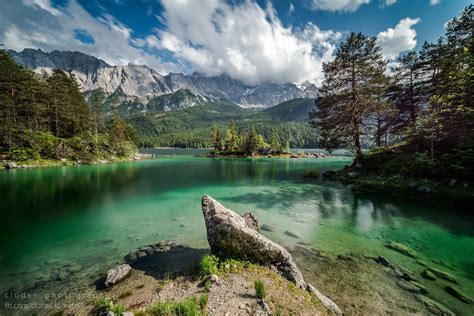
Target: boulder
[
  {"x": 11, "y": 165},
  {"x": 117, "y": 274},
  {"x": 251, "y": 221},
  {"x": 229, "y": 235},
  {"x": 434, "y": 307}
]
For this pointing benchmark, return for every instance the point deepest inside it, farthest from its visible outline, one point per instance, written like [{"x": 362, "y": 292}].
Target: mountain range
[{"x": 139, "y": 88}]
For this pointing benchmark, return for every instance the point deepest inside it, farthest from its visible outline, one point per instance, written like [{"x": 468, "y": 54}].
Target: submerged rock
[
  {"x": 117, "y": 274},
  {"x": 325, "y": 300},
  {"x": 402, "y": 248},
  {"x": 434, "y": 307},
  {"x": 457, "y": 293},
  {"x": 267, "y": 228},
  {"x": 443, "y": 275},
  {"x": 427, "y": 274},
  {"x": 288, "y": 233},
  {"x": 412, "y": 286},
  {"x": 229, "y": 235},
  {"x": 383, "y": 261}
]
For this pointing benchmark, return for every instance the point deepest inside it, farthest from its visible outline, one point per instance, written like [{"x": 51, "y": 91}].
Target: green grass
[
  {"x": 259, "y": 289},
  {"x": 203, "y": 301},
  {"x": 208, "y": 285},
  {"x": 105, "y": 304},
  {"x": 209, "y": 265},
  {"x": 188, "y": 307},
  {"x": 126, "y": 293}
]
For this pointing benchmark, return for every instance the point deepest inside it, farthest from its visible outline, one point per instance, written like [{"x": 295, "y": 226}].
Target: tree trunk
[
  {"x": 356, "y": 136},
  {"x": 378, "y": 137}
]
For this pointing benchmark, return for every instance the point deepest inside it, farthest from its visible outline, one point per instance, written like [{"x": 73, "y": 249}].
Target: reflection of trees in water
[
  {"x": 53, "y": 191},
  {"x": 298, "y": 199}
]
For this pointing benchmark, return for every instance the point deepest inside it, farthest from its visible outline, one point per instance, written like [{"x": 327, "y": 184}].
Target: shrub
[
  {"x": 209, "y": 265},
  {"x": 259, "y": 289}
]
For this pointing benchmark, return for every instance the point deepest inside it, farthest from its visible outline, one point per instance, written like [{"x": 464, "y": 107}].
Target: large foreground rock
[
  {"x": 230, "y": 235},
  {"x": 117, "y": 274}
]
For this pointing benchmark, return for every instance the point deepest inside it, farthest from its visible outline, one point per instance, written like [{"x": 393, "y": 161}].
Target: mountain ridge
[{"x": 144, "y": 83}]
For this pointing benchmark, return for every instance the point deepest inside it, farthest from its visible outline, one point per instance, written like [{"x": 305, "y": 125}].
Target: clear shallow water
[{"x": 92, "y": 216}]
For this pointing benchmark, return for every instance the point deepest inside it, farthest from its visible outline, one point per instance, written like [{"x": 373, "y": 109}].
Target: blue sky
[{"x": 254, "y": 41}]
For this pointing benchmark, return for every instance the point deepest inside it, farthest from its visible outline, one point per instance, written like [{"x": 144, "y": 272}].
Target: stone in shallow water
[
  {"x": 434, "y": 307},
  {"x": 267, "y": 227},
  {"x": 401, "y": 248},
  {"x": 443, "y": 275},
  {"x": 457, "y": 293},
  {"x": 117, "y": 274},
  {"x": 427, "y": 274},
  {"x": 229, "y": 235},
  {"x": 288, "y": 233},
  {"x": 412, "y": 286}
]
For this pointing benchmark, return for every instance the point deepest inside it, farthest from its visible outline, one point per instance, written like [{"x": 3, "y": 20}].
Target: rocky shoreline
[
  {"x": 166, "y": 272},
  {"x": 10, "y": 165}
]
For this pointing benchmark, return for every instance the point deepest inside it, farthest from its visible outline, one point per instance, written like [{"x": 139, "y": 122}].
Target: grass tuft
[{"x": 259, "y": 289}]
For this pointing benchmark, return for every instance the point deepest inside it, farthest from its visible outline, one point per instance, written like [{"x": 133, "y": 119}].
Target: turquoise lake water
[{"x": 92, "y": 216}]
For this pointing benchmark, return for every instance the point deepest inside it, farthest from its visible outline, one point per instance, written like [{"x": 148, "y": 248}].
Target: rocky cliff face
[{"x": 144, "y": 83}]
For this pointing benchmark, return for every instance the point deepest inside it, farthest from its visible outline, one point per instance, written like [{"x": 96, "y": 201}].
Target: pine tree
[{"x": 349, "y": 92}]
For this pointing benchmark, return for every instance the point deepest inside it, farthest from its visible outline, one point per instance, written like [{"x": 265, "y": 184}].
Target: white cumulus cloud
[
  {"x": 338, "y": 5},
  {"x": 38, "y": 24},
  {"x": 434, "y": 2},
  {"x": 245, "y": 41},
  {"x": 390, "y": 2},
  {"x": 402, "y": 38}
]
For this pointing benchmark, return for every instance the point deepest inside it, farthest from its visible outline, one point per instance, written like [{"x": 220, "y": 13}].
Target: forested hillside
[
  {"x": 191, "y": 127},
  {"x": 47, "y": 117}
]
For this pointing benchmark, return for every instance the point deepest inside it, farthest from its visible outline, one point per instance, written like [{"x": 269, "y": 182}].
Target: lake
[{"x": 85, "y": 219}]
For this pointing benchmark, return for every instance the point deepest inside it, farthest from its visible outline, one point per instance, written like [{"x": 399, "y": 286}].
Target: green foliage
[
  {"x": 203, "y": 301},
  {"x": 46, "y": 117},
  {"x": 351, "y": 92},
  {"x": 105, "y": 304},
  {"x": 190, "y": 127},
  {"x": 209, "y": 265},
  {"x": 207, "y": 285},
  {"x": 187, "y": 307},
  {"x": 426, "y": 104},
  {"x": 259, "y": 289}
]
